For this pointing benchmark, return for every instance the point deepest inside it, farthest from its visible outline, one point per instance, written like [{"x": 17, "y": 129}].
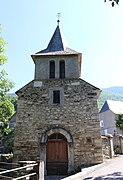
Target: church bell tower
[{"x": 57, "y": 61}]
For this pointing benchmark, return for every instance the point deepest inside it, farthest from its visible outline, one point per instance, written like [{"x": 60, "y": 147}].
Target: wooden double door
[{"x": 56, "y": 155}]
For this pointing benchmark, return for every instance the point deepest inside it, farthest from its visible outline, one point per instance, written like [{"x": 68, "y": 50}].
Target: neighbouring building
[
  {"x": 108, "y": 116},
  {"x": 12, "y": 123},
  {"x": 57, "y": 117}
]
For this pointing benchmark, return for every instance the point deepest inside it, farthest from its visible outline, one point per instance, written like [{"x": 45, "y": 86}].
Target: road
[
  {"x": 112, "y": 169},
  {"x": 109, "y": 170}
]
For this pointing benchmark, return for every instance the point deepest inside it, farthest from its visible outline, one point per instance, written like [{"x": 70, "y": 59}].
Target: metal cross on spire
[{"x": 58, "y": 15}]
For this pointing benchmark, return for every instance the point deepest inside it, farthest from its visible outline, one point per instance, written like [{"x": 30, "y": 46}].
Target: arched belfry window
[
  {"x": 62, "y": 69},
  {"x": 52, "y": 69}
]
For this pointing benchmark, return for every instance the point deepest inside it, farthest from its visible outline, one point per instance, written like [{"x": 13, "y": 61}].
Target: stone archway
[{"x": 69, "y": 139}]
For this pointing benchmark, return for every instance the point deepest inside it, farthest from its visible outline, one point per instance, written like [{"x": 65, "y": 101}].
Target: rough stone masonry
[{"x": 74, "y": 116}]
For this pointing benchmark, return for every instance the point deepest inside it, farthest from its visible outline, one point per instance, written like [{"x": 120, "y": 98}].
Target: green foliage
[
  {"x": 13, "y": 100},
  {"x": 119, "y": 122},
  {"x": 6, "y": 158},
  {"x": 8, "y": 141},
  {"x": 113, "y": 2},
  {"x": 5, "y": 83},
  {"x": 117, "y": 149},
  {"x": 6, "y": 134},
  {"x": 6, "y": 107},
  {"x": 3, "y": 58}
]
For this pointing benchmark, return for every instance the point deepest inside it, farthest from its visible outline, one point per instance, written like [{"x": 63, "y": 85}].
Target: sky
[{"x": 91, "y": 27}]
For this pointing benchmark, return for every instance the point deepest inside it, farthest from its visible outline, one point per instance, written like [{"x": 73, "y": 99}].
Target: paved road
[{"x": 112, "y": 169}]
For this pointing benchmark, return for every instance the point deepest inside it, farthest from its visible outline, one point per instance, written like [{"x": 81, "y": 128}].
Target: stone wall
[
  {"x": 118, "y": 144},
  {"x": 106, "y": 147},
  {"x": 77, "y": 114}
]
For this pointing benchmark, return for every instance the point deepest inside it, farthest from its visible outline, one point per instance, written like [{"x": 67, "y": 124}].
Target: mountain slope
[
  {"x": 114, "y": 89},
  {"x": 113, "y": 93}
]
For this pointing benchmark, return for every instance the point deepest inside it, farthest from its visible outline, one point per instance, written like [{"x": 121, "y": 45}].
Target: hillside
[
  {"x": 113, "y": 93},
  {"x": 114, "y": 89}
]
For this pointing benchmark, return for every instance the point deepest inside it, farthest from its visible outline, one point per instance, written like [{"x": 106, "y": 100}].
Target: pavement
[{"x": 109, "y": 170}]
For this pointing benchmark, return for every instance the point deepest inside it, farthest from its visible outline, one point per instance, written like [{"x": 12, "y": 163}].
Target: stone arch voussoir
[{"x": 56, "y": 130}]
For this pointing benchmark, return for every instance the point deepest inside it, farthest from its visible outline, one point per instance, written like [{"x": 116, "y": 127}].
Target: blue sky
[{"x": 91, "y": 27}]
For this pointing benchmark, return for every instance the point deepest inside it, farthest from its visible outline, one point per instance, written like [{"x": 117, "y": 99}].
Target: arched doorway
[
  {"x": 56, "y": 154},
  {"x": 70, "y": 148}
]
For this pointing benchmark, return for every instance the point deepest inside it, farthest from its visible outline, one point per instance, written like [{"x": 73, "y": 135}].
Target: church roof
[
  {"x": 114, "y": 106},
  {"x": 57, "y": 45}
]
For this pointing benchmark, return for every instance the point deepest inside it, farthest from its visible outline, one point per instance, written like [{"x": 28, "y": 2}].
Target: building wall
[
  {"x": 77, "y": 114},
  {"x": 71, "y": 66},
  {"x": 109, "y": 123},
  {"x": 12, "y": 122},
  {"x": 108, "y": 118}
]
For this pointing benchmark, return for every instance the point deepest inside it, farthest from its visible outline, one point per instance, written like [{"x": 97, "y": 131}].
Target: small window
[
  {"x": 101, "y": 123},
  {"x": 56, "y": 97},
  {"x": 88, "y": 139},
  {"x": 62, "y": 69},
  {"x": 56, "y": 136},
  {"x": 52, "y": 69}
]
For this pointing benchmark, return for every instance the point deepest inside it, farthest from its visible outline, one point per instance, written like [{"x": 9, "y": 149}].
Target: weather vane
[{"x": 58, "y": 15}]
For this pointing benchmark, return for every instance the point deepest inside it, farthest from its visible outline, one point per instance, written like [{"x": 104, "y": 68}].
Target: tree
[
  {"x": 13, "y": 100},
  {"x": 113, "y": 2},
  {"x": 119, "y": 122},
  {"x": 6, "y": 107},
  {"x": 3, "y": 58}
]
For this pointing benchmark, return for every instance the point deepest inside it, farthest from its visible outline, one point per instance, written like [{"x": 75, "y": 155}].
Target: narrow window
[
  {"x": 62, "y": 69},
  {"x": 52, "y": 69},
  {"x": 101, "y": 123},
  {"x": 56, "y": 97}
]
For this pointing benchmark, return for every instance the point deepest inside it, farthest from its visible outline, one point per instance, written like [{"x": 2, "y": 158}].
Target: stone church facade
[{"x": 57, "y": 114}]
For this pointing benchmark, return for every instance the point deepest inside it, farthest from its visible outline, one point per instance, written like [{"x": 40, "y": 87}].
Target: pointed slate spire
[
  {"x": 57, "y": 45},
  {"x": 57, "y": 42}
]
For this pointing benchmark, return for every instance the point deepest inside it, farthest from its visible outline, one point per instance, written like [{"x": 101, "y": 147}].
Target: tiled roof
[
  {"x": 114, "y": 106},
  {"x": 65, "y": 52},
  {"x": 57, "y": 45}
]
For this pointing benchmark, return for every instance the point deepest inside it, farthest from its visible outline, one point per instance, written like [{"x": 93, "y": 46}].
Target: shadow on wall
[{"x": 115, "y": 175}]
